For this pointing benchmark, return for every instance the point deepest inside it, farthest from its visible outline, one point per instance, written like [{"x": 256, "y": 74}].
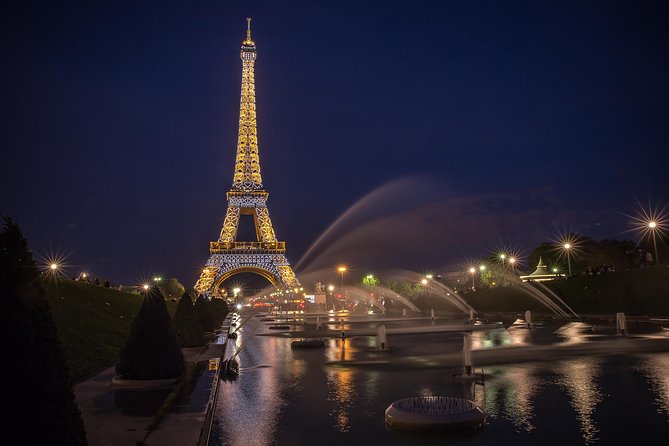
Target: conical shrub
[
  {"x": 152, "y": 350},
  {"x": 37, "y": 394},
  {"x": 203, "y": 309},
  {"x": 187, "y": 324}
]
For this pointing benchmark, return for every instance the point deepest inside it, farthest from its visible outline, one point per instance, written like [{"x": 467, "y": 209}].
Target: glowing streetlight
[
  {"x": 157, "y": 279},
  {"x": 423, "y": 282},
  {"x": 567, "y": 248},
  {"x": 568, "y": 244},
  {"x": 330, "y": 288},
  {"x": 145, "y": 287},
  {"x": 472, "y": 271},
  {"x": 236, "y": 291},
  {"x": 53, "y": 266},
  {"x": 650, "y": 221},
  {"x": 429, "y": 276},
  {"x": 512, "y": 263},
  {"x": 652, "y": 226},
  {"x": 342, "y": 269},
  {"x": 482, "y": 268}
]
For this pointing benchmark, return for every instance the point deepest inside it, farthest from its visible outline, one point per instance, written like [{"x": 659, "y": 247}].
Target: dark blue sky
[{"x": 119, "y": 123}]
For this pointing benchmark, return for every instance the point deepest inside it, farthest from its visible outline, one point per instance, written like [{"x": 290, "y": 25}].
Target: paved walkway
[{"x": 117, "y": 416}]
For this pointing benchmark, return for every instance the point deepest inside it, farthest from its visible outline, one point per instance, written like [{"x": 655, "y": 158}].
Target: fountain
[
  {"x": 467, "y": 353},
  {"x": 426, "y": 413},
  {"x": 528, "y": 318},
  {"x": 547, "y": 297},
  {"x": 381, "y": 341},
  {"x": 621, "y": 324}
]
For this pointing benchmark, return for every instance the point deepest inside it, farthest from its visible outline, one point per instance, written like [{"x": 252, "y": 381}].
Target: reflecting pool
[{"x": 558, "y": 383}]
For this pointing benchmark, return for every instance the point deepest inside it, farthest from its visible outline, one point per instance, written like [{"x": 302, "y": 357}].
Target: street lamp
[
  {"x": 652, "y": 226},
  {"x": 236, "y": 291},
  {"x": 53, "y": 266},
  {"x": 472, "y": 271},
  {"x": 342, "y": 269},
  {"x": 512, "y": 262},
  {"x": 567, "y": 247}
]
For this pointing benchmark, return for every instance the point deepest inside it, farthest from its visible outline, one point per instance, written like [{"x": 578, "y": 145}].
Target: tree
[
  {"x": 219, "y": 311},
  {"x": 38, "y": 395},
  {"x": 171, "y": 288},
  {"x": 152, "y": 350},
  {"x": 203, "y": 310},
  {"x": 187, "y": 324}
]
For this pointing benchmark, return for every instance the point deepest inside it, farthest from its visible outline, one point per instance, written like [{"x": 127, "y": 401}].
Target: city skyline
[{"x": 443, "y": 128}]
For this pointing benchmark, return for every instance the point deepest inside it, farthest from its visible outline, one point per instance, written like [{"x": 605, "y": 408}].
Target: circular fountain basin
[{"x": 427, "y": 413}]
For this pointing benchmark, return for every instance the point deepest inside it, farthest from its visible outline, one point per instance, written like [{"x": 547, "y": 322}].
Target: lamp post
[
  {"x": 472, "y": 271},
  {"x": 512, "y": 262},
  {"x": 567, "y": 248},
  {"x": 652, "y": 226},
  {"x": 236, "y": 292},
  {"x": 342, "y": 269}
]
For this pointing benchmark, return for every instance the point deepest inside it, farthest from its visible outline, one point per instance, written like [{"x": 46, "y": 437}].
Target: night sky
[{"x": 451, "y": 128}]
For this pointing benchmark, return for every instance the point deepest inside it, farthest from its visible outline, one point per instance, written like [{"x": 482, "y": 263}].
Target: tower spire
[{"x": 247, "y": 163}]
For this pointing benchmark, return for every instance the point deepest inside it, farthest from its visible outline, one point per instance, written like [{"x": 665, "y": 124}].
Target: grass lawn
[
  {"x": 640, "y": 291},
  {"x": 93, "y": 322}
]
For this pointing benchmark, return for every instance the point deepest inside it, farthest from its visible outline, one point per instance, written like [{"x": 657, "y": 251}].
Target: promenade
[{"x": 118, "y": 416}]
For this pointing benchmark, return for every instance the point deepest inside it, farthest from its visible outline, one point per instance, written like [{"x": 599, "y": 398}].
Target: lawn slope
[{"x": 93, "y": 322}]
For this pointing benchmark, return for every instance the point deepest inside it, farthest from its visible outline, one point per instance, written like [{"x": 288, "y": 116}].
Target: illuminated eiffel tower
[{"x": 266, "y": 255}]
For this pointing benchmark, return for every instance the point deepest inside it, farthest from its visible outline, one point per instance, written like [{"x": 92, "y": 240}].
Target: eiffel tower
[{"x": 266, "y": 255}]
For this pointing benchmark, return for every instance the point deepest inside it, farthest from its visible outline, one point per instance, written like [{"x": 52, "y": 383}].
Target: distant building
[{"x": 541, "y": 274}]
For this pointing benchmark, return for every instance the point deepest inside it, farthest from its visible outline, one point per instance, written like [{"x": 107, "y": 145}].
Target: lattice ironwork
[
  {"x": 247, "y": 196},
  {"x": 247, "y": 165},
  {"x": 206, "y": 279},
  {"x": 264, "y": 225},
  {"x": 230, "y": 224}
]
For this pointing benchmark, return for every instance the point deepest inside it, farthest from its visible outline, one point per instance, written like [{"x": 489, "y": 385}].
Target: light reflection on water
[
  {"x": 341, "y": 387},
  {"x": 579, "y": 377},
  {"x": 510, "y": 393},
  {"x": 298, "y": 399},
  {"x": 656, "y": 369}
]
